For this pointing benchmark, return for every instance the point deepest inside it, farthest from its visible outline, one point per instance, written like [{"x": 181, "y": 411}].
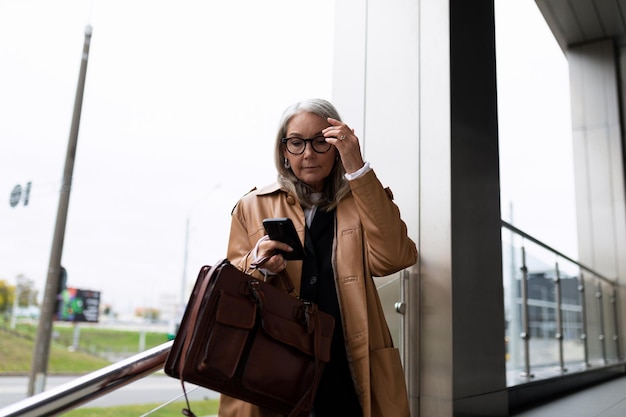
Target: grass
[
  {"x": 16, "y": 352},
  {"x": 97, "y": 339},
  {"x": 16, "y": 348},
  {"x": 200, "y": 408}
]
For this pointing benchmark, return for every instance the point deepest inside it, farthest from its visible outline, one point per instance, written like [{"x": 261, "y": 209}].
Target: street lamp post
[
  {"x": 37, "y": 379},
  {"x": 183, "y": 290}
]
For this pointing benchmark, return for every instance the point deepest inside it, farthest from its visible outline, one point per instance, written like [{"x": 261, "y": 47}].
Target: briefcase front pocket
[
  {"x": 235, "y": 317},
  {"x": 271, "y": 345}
]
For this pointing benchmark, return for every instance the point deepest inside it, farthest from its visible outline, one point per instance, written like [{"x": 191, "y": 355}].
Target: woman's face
[{"x": 310, "y": 167}]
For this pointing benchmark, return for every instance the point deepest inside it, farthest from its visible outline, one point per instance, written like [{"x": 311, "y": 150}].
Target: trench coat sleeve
[
  {"x": 389, "y": 247},
  {"x": 240, "y": 247}
]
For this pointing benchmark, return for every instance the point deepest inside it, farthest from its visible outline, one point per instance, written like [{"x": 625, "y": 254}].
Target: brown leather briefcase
[{"x": 247, "y": 339}]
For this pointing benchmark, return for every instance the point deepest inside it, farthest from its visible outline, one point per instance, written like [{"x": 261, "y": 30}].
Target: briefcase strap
[{"x": 193, "y": 316}]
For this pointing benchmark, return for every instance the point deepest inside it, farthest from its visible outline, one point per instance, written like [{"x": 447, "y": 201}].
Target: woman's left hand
[{"x": 344, "y": 139}]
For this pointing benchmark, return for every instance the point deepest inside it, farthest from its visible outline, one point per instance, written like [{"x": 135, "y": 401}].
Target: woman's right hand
[{"x": 267, "y": 256}]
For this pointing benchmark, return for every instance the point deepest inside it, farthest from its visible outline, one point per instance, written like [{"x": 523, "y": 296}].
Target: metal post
[
  {"x": 76, "y": 338},
  {"x": 602, "y": 337},
  {"x": 41, "y": 353},
  {"x": 142, "y": 339},
  {"x": 559, "y": 316},
  {"x": 615, "y": 324},
  {"x": 583, "y": 319},
  {"x": 525, "y": 335},
  {"x": 514, "y": 324}
]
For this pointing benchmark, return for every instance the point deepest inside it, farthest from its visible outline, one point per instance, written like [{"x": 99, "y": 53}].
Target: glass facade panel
[
  {"x": 593, "y": 322},
  {"x": 607, "y": 303},
  {"x": 572, "y": 314}
]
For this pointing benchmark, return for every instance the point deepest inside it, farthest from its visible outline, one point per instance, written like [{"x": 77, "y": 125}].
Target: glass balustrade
[{"x": 561, "y": 316}]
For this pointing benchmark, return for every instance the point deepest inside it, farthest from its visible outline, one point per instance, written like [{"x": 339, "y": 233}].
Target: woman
[{"x": 351, "y": 231}]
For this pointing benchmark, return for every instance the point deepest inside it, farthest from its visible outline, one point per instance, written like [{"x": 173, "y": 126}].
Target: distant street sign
[
  {"x": 27, "y": 193},
  {"x": 78, "y": 305},
  {"x": 16, "y": 195}
]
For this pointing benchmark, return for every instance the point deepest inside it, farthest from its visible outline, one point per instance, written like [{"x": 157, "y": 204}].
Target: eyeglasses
[{"x": 296, "y": 146}]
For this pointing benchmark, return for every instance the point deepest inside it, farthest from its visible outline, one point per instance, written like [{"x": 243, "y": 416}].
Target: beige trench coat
[{"x": 370, "y": 240}]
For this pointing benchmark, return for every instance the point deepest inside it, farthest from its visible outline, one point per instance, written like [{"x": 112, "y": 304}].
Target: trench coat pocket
[{"x": 389, "y": 395}]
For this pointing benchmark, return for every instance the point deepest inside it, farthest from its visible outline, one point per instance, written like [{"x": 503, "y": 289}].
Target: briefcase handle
[{"x": 284, "y": 276}]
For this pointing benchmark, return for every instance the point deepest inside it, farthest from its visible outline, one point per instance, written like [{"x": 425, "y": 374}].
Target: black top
[{"x": 335, "y": 395}]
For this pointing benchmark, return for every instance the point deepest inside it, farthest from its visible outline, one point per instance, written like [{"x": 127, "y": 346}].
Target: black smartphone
[{"x": 283, "y": 230}]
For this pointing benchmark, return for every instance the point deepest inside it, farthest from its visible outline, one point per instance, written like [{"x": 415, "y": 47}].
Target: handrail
[
  {"x": 91, "y": 386},
  {"x": 543, "y": 245}
]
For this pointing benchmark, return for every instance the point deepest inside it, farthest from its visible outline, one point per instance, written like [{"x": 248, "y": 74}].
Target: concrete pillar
[
  {"x": 462, "y": 362},
  {"x": 416, "y": 79},
  {"x": 599, "y": 161}
]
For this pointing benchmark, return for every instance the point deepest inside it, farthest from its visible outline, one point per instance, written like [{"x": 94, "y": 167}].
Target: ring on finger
[{"x": 342, "y": 137}]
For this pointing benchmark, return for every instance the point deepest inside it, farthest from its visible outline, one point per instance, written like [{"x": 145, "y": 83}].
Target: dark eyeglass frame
[{"x": 306, "y": 142}]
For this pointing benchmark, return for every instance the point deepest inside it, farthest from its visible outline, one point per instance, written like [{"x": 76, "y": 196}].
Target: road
[{"x": 154, "y": 388}]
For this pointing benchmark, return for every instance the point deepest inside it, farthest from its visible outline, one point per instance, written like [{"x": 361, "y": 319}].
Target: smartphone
[{"x": 283, "y": 230}]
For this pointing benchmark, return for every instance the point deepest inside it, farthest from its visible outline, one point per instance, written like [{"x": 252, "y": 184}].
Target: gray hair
[{"x": 336, "y": 185}]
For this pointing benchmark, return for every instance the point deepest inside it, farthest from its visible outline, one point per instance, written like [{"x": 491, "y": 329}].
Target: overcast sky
[
  {"x": 181, "y": 106},
  {"x": 180, "y": 110},
  {"x": 536, "y": 159}
]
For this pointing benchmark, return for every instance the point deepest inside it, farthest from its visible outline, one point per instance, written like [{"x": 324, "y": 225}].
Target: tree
[
  {"x": 27, "y": 294},
  {"x": 148, "y": 313},
  {"x": 7, "y": 294}
]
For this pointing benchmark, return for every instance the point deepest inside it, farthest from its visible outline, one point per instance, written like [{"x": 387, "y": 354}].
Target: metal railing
[
  {"x": 556, "y": 252},
  {"x": 540, "y": 312},
  {"x": 89, "y": 387}
]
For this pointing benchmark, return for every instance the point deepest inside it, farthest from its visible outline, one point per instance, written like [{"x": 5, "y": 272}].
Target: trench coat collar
[
  {"x": 276, "y": 188},
  {"x": 270, "y": 189}
]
